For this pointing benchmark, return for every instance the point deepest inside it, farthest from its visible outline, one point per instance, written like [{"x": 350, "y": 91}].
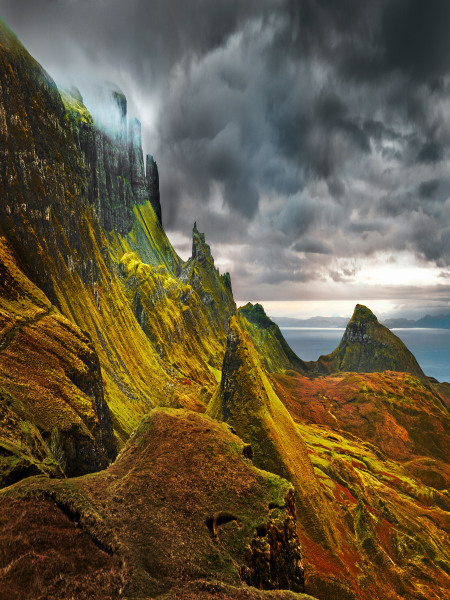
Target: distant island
[{"x": 426, "y": 322}]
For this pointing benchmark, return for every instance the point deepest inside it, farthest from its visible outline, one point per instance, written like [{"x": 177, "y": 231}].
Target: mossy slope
[
  {"x": 51, "y": 386},
  {"x": 395, "y": 411},
  {"x": 181, "y": 488},
  {"x": 399, "y": 525}
]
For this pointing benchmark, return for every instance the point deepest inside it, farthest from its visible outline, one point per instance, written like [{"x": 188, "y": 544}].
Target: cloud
[{"x": 300, "y": 134}]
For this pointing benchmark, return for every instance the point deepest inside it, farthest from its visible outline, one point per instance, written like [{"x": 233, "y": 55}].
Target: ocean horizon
[{"x": 431, "y": 347}]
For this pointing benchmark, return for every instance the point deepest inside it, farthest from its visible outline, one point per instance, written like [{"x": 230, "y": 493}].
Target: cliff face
[
  {"x": 113, "y": 157},
  {"x": 42, "y": 181}
]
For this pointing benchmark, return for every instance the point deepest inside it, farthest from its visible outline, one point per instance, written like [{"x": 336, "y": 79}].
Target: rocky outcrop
[
  {"x": 136, "y": 158},
  {"x": 247, "y": 401},
  {"x": 368, "y": 347},
  {"x": 274, "y": 559},
  {"x": 213, "y": 288},
  {"x": 186, "y": 317},
  {"x": 153, "y": 186}
]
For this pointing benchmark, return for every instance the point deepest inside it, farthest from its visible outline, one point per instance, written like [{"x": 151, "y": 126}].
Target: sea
[{"x": 431, "y": 347}]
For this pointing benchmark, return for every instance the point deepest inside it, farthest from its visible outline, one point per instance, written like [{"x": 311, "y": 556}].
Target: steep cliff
[
  {"x": 113, "y": 157},
  {"x": 73, "y": 217}
]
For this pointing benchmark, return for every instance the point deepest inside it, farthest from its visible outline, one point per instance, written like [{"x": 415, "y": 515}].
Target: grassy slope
[
  {"x": 379, "y": 444},
  {"x": 50, "y": 384}
]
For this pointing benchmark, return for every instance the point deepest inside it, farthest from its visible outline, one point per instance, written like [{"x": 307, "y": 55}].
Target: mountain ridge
[
  {"x": 110, "y": 343},
  {"x": 427, "y": 322}
]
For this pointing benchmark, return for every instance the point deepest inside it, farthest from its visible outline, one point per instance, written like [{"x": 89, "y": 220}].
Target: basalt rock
[
  {"x": 113, "y": 157},
  {"x": 274, "y": 559}
]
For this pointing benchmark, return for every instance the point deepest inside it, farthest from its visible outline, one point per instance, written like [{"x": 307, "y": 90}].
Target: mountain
[
  {"x": 334, "y": 322},
  {"x": 329, "y": 476},
  {"x": 427, "y": 322},
  {"x": 368, "y": 347}
]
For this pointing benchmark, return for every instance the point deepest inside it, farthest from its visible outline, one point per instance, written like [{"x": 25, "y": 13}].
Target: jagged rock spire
[{"x": 153, "y": 185}]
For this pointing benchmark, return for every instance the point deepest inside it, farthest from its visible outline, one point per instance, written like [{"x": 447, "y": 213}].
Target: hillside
[{"x": 329, "y": 477}]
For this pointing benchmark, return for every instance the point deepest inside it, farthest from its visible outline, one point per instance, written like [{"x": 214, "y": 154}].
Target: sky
[{"x": 309, "y": 139}]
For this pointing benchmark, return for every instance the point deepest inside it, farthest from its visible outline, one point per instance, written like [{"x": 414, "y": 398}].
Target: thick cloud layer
[{"x": 308, "y": 138}]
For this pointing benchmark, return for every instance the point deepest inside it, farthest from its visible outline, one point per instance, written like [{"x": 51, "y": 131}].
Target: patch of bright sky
[{"x": 401, "y": 270}]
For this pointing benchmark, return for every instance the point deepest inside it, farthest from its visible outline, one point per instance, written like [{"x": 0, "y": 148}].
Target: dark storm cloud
[
  {"x": 431, "y": 152},
  {"x": 416, "y": 35},
  {"x": 315, "y": 130}
]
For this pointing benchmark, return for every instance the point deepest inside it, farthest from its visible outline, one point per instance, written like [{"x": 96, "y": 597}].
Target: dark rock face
[
  {"x": 274, "y": 559},
  {"x": 153, "y": 186},
  {"x": 136, "y": 157}
]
